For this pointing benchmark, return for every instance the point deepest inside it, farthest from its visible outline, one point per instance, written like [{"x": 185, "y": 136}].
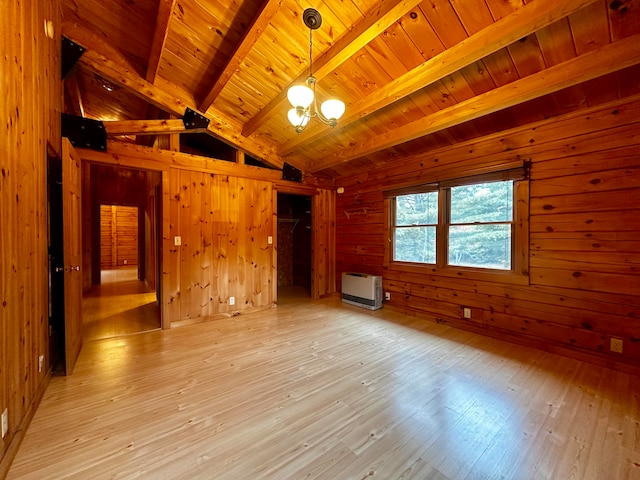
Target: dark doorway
[
  {"x": 56, "y": 265},
  {"x": 294, "y": 245}
]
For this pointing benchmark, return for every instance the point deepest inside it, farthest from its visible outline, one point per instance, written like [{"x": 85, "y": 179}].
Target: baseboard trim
[{"x": 20, "y": 432}]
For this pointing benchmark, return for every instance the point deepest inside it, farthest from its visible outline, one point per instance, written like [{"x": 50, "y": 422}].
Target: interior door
[{"x": 72, "y": 248}]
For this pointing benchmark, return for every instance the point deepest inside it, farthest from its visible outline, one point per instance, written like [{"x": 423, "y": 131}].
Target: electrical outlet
[
  {"x": 40, "y": 363},
  {"x": 616, "y": 345},
  {"x": 466, "y": 312},
  {"x": 5, "y": 422},
  {"x": 232, "y": 300},
  {"x": 125, "y": 262},
  {"x": 387, "y": 295}
]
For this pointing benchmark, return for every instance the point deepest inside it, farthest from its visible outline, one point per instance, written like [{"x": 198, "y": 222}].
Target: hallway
[{"x": 121, "y": 305}]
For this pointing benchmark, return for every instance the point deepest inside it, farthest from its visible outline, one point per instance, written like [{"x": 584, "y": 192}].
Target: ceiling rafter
[
  {"x": 609, "y": 58},
  {"x": 175, "y": 102},
  {"x": 257, "y": 28},
  {"x": 372, "y": 24},
  {"x": 519, "y": 24},
  {"x": 165, "y": 9}
]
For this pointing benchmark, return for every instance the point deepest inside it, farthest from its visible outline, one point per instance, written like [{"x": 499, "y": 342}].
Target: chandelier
[{"x": 303, "y": 97}]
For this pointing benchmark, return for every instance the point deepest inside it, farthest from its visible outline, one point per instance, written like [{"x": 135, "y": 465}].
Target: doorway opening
[
  {"x": 294, "y": 239},
  {"x": 56, "y": 265},
  {"x": 123, "y": 292}
]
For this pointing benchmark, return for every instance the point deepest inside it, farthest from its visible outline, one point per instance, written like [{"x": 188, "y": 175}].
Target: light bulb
[
  {"x": 300, "y": 96},
  {"x": 298, "y": 118},
  {"x": 332, "y": 109}
]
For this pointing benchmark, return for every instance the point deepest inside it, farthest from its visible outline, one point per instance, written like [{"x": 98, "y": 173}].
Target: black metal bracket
[
  {"x": 84, "y": 132},
  {"x": 193, "y": 119},
  {"x": 289, "y": 172},
  {"x": 71, "y": 53}
]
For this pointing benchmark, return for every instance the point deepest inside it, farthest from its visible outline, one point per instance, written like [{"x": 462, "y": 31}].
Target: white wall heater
[{"x": 362, "y": 290}]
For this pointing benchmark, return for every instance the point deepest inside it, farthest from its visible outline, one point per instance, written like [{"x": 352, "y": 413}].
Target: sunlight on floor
[{"x": 121, "y": 305}]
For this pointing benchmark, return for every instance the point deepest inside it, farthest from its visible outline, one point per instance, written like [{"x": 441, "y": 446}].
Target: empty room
[{"x": 331, "y": 239}]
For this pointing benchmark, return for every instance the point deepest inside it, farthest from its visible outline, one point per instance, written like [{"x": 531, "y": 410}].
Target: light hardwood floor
[
  {"x": 121, "y": 305},
  {"x": 320, "y": 390}
]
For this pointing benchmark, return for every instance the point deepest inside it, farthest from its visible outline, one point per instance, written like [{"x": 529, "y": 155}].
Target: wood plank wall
[
  {"x": 152, "y": 225},
  {"x": 584, "y": 226},
  {"x": 30, "y": 108},
  {"x": 206, "y": 202},
  {"x": 323, "y": 227},
  {"x": 224, "y": 224},
  {"x": 118, "y": 236}
]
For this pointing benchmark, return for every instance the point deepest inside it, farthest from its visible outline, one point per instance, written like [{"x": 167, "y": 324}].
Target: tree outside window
[{"x": 475, "y": 221}]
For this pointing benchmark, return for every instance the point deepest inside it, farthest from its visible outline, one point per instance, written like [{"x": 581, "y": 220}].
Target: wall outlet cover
[{"x": 616, "y": 345}]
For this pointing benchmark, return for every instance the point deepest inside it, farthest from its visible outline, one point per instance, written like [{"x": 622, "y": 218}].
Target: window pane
[
  {"x": 415, "y": 244},
  {"x": 482, "y": 202},
  {"x": 483, "y": 246},
  {"x": 417, "y": 209}
]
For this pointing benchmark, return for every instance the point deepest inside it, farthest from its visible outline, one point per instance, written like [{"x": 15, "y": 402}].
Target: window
[
  {"x": 479, "y": 231},
  {"x": 416, "y": 220},
  {"x": 468, "y": 224}
]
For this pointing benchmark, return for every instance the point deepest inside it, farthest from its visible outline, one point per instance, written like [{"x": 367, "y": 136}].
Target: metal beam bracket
[
  {"x": 71, "y": 53},
  {"x": 84, "y": 132},
  {"x": 193, "y": 119},
  {"x": 289, "y": 172}
]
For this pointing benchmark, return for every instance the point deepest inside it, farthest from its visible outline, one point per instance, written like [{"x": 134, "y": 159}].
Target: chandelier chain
[{"x": 310, "y": 52}]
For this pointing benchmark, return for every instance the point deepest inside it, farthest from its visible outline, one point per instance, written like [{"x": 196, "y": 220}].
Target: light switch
[
  {"x": 177, "y": 240},
  {"x": 270, "y": 240}
]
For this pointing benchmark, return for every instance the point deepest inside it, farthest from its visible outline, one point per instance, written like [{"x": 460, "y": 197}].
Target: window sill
[{"x": 485, "y": 275}]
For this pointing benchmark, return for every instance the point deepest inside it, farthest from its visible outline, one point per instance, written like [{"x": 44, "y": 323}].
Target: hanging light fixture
[{"x": 303, "y": 96}]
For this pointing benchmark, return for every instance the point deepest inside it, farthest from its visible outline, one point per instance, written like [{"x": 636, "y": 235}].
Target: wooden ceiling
[{"x": 415, "y": 75}]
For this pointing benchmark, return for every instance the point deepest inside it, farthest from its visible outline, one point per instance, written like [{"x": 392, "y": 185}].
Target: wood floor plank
[{"x": 321, "y": 390}]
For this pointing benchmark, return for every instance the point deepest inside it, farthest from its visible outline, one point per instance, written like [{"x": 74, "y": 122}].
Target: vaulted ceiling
[{"x": 414, "y": 74}]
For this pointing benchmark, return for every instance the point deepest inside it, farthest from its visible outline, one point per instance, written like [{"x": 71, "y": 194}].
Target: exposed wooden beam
[
  {"x": 138, "y": 156},
  {"x": 376, "y": 21},
  {"x": 153, "y": 112},
  {"x": 176, "y": 103},
  {"x": 260, "y": 23},
  {"x": 522, "y": 22},
  {"x": 148, "y": 127},
  {"x": 165, "y": 9},
  {"x": 594, "y": 64},
  {"x": 73, "y": 90},
  {"x": 92, "y": 40},
  {"x": 174, "y": 140}
]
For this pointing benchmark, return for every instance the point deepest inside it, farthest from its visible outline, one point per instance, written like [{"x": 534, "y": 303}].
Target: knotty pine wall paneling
[
  {"x": 118, "y": 236},
  {"x": 224, "y": 249},
  {"x": 31, "y": 104},
  {"x": 584, "y": 254},
  {"x": 223, "y": 223},
  {"x": 152, "y": 226},
  {"x": 323, "y": 227}
]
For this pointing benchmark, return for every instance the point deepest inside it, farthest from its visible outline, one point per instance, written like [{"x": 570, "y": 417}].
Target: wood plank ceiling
[{"x": 415, "y": 75}]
